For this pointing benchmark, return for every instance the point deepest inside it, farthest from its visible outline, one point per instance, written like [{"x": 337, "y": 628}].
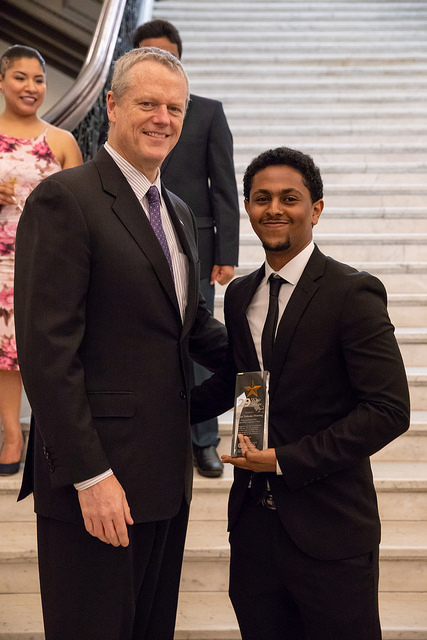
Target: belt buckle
[{"x": 268, "y": 502}]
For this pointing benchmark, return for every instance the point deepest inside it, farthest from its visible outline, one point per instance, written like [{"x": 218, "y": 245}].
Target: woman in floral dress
[{"x": 30, "y": 150}]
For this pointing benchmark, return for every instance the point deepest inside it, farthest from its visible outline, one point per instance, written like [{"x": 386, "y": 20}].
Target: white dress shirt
[{"x": 256, "y": 312}]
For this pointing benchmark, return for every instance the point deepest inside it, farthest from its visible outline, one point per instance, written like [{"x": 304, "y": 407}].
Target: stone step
[
  {"x": 292, "y": 4},
  {"x": 361, "y": 188},
  {"x": 342, "y": 149},
  {"x": 323, "y": 46},
  {"x": 409, "y": 447},
  {"x": 405, "y": 309},
  {"x": 209, "y": 616},
  {"x": 403, "y": 551},
  {"x": 352, "y": 246},
  {"x": 329, "y": 10},
  {"x": 309, "y": 28},
  {"x": 340, "y": 43},
  {"x": 396, "y": 277},
  {"x": 413, "y": 347},
  {"x": 280, "y": 14},
  {"x": 298, "y": 58},
  {"x": 201, "y": 6},
  {"x": 369, "y": 190},
  {"x": 410, "y": 75},
  {"x": 273, "y": 114},
  {"x": 393, "y": 36},
  {"x": 18, "y": 558},
  {"x": 373, "y": 165},
  {"x": 412, "y": 443},
  {"x": 387, "y": 191},
  {"x": 327, "y": 132},
  {"x": 285, "y": 96},
  {"x": 412, "y": 340},
  {"x": 300, "y": 20},
  {"x": 347, "y": 252},
  {"x": 362, "y": 220},
  {"x": 401, "y": 489},
  {"x": 417, "y": 379}
]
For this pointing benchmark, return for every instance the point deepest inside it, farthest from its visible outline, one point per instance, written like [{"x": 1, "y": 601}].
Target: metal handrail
[
  {"x": 70, "y": 110},
  {"x": 147, "y": 11}
]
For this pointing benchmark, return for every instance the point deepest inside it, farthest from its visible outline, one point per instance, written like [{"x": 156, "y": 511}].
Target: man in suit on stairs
[
  {"x": 108, "y": 312},
  {"x": 200, "y": 170},
  {"x": 303, "y": 516}
]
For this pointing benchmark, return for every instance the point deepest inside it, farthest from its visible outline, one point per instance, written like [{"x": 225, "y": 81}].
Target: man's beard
[{"x": 283, "y": 246}]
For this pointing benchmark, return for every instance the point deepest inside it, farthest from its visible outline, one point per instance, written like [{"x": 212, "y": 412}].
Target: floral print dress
[{"x": 24, "y": 163}]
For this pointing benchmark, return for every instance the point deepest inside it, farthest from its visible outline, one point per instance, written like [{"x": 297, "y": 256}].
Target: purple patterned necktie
[{"x": 153, "y": 198}]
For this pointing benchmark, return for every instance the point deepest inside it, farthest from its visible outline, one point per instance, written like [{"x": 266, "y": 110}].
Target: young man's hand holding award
[
  {"x": 249, "y": 448},
  {"x": 250, "y": 410}
]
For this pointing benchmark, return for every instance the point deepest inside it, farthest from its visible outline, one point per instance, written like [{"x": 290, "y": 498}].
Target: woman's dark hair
[{"x": 16, "y": 52}]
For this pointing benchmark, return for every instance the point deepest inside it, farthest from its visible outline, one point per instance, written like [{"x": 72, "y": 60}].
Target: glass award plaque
[{"x": 250, "y": 410}]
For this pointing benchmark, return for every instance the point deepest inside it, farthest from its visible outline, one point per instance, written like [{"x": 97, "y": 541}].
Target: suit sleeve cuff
[{"x": 80, "y": 486}]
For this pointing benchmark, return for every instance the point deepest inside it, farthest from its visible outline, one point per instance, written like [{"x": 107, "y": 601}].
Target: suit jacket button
[{"x": 183, "y": 395}]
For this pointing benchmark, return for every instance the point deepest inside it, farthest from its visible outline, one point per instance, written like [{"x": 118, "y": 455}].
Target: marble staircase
[{"x": 346, "y": 81}]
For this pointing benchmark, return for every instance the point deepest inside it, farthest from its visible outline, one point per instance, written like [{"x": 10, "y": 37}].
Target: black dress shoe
[{"x": 207, "y": 462}]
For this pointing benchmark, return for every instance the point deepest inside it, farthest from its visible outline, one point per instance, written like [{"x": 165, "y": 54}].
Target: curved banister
[
  {"x": 71, "y": 109},
  {"x": 147, "y": 10}
]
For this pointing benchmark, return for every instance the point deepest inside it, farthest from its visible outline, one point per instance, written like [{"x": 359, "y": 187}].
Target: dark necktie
[
  {"x": 259, "y": 480},
  {"x": 269, "y": 331},
  {"x": 153, "y": 198}
]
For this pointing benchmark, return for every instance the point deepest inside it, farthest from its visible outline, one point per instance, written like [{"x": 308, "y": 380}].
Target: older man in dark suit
[
  {"x": 200, "y": 170},
  {"x": 303, "y": 517},
  {"x": 107, "y": 314}
]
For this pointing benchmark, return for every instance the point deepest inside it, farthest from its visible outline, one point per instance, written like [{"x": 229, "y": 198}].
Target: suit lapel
[
  {"x": 176, "y": 213},
  {"x": 237, "y": 311},
  {"x": 127, "y": 208},
  {"x": 304, "y": 291}
]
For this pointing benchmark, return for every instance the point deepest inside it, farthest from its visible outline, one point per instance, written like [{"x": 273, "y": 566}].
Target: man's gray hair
[{"x": 122, "y": 66}]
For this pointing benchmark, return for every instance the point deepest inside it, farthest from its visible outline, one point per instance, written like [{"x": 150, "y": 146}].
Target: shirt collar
[
  {"x": 292, "y": 271},
  {"x": 137, "y": 180}
]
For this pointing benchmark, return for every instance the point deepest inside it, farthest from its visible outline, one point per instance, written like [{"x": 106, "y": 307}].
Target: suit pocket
[{"x": 111, "y": 404}]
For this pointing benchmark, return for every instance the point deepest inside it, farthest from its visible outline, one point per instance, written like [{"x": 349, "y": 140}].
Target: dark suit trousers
[
  {"x": 205, "y": 434},
  {"x": 92, "y": 591},
  {"x": 279, "y": 593}
]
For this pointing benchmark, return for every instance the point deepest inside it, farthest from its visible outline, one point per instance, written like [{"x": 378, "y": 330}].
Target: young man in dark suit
[
  {"x": 200, "y": 170},
  {"x": 303, "y": 517},
  {"x": 108, "y": 313}
]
